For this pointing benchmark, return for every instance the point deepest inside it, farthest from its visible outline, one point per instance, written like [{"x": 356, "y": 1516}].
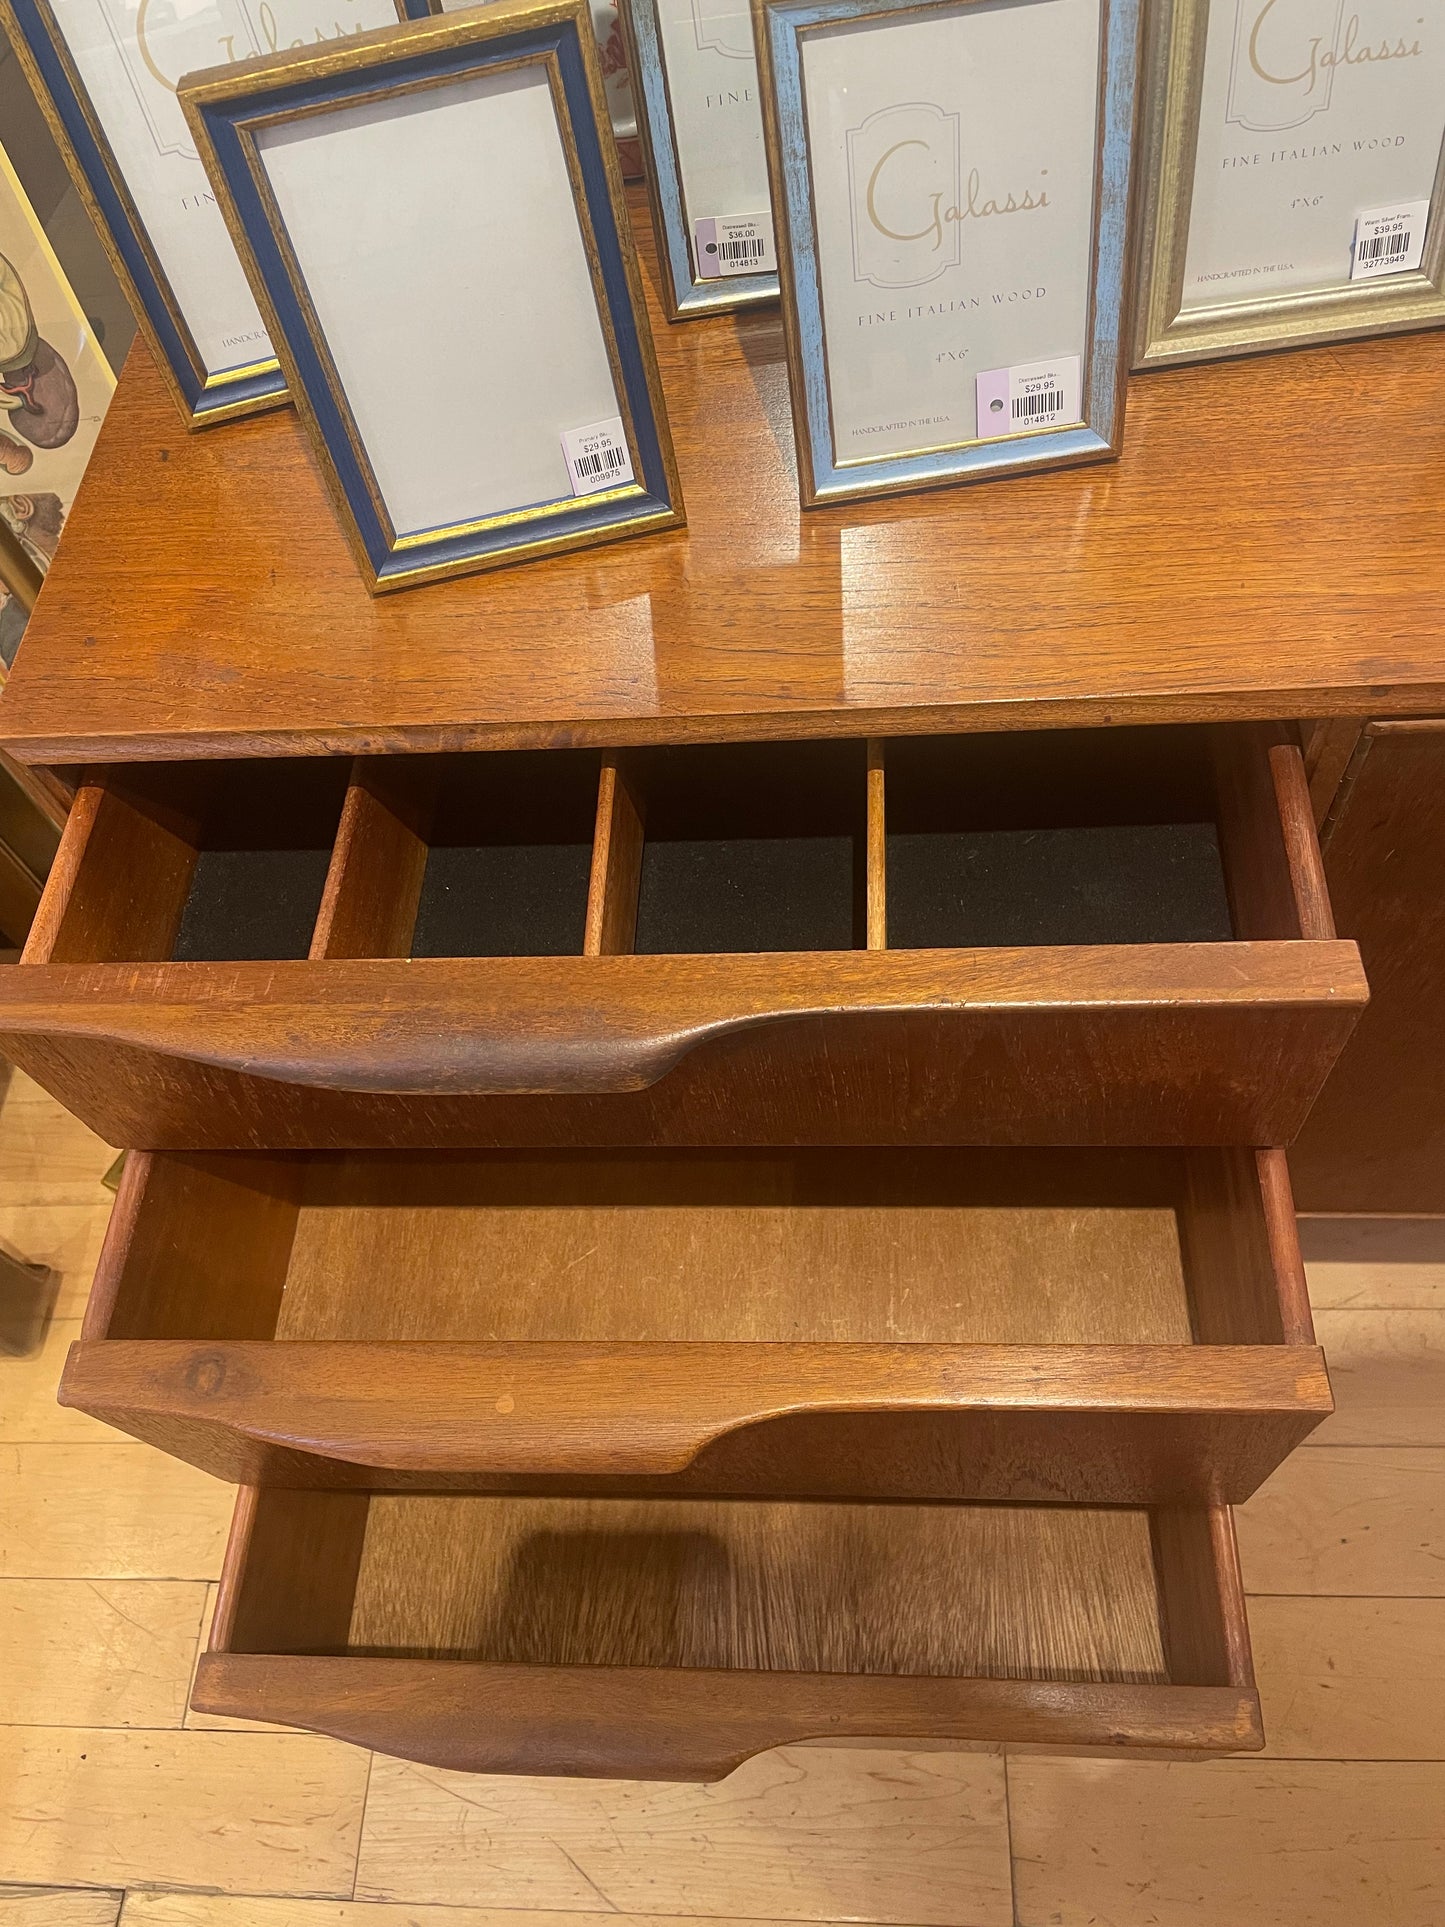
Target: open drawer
[
  {"x": 986, "y": 1324},
  {"x": 1106, "y": 937},
  {"x": 670, "y": 1639}
]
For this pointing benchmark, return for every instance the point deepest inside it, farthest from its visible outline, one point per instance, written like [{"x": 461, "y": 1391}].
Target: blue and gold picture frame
[
  {"x": 432, "y": 220},
  {"x": 951, "y": 182},
  {"x": 107, "y": 73}
]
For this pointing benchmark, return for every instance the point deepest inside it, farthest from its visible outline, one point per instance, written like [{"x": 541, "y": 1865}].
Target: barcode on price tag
[
  {"x": 1390, "y": 240},
  {"x": 1036, "y": 394},
  {"x": 597, "y": 457},
  {"x": 734, "y": 244}
]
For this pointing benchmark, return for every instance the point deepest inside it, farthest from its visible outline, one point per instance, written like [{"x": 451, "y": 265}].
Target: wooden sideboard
[{"x": 708, "y": 1116}]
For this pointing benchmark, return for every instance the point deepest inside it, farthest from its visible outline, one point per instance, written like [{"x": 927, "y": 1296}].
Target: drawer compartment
[
  {"x": 671, "y": 1639},
  {"x": 986, "y": 1324},
  {"x": 192, "y": 863},
  {"x": 1111, "y": 937}
]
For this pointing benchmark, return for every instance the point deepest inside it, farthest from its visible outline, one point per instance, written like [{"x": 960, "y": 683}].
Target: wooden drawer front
[
  {"x": 987, "y": 1324},
  {"x": 1108, "y": 937},
  {"x": 666, "y": 1639}
]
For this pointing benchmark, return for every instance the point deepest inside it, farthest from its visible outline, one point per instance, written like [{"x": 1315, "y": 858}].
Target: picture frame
[
  {"x": 1249, "y": 238},
  {"x": 931, "y": 342},
  {"x": 543, "y": 336},
  {"x": 616, "y": 72},
  {"x": 700, "y": 118},
  {"x": 106, "y": 73}
]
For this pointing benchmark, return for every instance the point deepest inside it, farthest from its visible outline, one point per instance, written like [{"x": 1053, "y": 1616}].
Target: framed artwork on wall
[
  {"x": 951, "y": 180},
  {"x": 433, "y": 223},
  {"x": 55, "y": 387},
  {"x": 1295, "y": 175},
  {"x": 107, "y": 73}
]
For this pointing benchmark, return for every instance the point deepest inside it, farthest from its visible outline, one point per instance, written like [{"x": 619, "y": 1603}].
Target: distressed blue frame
[
  {"x": 826, "y": 480},
  {"x": 226, "y": 122},
  {"x": 689, "y": 295}
]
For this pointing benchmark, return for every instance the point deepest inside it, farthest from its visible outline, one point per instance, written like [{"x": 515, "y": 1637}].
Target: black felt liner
[
  {"x": 251, "y": 904},
  {"x": 1053, "y": 837},
  {"x": 1133, "y": 883},
  {"x": 504, "y": 900},
  {"x": 746, "y": 893},
  {"x": 751, "y": 847},
  {"x": 267, "y": 833},
  {"x": 510, "y": 857}
]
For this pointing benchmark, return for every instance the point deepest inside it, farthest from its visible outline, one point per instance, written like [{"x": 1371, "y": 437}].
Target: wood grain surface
[
  {"x": 673, "y": 1640},
  {"x": 1337, "y": 1826},
  {"x": 1102, "y": 1425},
  {"x": 999, "y": 1591},
  {"x": 1025, "y": 1039},
  {"x": 1154, "y": 588},
  {"x": 604, "y": 1723},
  {"x": 1153, "y": 1845},
  {"x": 947, "y": 1324},
  {"x": 1128, "y": 1044},
  {"x": 1375, "y": 1141}
]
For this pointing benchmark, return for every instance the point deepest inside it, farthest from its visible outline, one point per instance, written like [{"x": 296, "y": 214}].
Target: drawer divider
[
  {"x": 877, "y": 843},
  {"x": 616, "y": 864},
  {"x": 373, "y": 887}
]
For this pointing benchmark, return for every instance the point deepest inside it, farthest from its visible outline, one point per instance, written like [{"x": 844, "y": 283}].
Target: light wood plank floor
[{"x": 118, "y": 1806}]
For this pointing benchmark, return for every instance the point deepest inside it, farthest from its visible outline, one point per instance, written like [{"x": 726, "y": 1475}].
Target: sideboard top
[{"x": 1272, "y": 543}]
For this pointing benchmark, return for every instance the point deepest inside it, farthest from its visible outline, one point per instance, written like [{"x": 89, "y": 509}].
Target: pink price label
[
  {"x": 705, "y": 240},
  {"x": 992, "y": 391}
]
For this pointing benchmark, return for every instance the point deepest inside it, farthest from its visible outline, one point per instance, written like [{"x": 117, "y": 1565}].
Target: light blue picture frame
[
  {"x": 780, "y": 26},
  {"x": 686, "y": 294}
]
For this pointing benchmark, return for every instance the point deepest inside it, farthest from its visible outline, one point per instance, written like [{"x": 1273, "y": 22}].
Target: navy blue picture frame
[
  {"x": 225, "y": 105},
  {"x": 32, "y": 30}
]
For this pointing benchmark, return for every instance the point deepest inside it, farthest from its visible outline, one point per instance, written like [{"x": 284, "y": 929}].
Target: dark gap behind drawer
[
  {"x": 510, "y": 856},
  {"x": 752, "y": 847},
  {"x": 268, "y": 830},
  {"x": 1060, "y": 837}
]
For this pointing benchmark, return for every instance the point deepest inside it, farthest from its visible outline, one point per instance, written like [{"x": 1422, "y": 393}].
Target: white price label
[
  {"x": 597, "y": 456},
  {"x": 734, "y": 244},
  {"x": 1035, "y": 394},
  {"x": 1390, "y": 240}
]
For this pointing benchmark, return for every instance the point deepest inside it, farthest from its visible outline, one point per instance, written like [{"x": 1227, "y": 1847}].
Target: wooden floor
[{"x": 115, "y": 1804}]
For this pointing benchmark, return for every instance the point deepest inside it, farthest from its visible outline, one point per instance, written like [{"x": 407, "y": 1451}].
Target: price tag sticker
[
  {"x": 734, "y": 244},
  {"x": 597, "y": 456},
  {"x": 1390, "y": 240},
  {"x": 1035, "y": 394}
]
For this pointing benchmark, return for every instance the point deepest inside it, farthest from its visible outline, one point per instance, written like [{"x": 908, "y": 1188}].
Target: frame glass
[
  {"x": 707, "y": 169},
  {"x": 1295, "y": 175},
  {"x": 616, "y": 73},
  {"x": 951, "y": 180},
  {"x": 107, "y": 73},
  {"x": 434, "y": 229}
]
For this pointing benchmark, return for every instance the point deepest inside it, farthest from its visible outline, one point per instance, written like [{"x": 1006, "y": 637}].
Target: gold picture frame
[
  {"x": 1166, "y": 333},
  {"x": 232, "y": 111}
]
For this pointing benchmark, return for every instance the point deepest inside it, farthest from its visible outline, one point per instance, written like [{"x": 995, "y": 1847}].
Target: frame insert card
[
  {"x": 951, "y": 180},
  {"x": 433, "y": 224},
  {"x": 1296, "y": 175},
  {"x": 107, "y": 74}
]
